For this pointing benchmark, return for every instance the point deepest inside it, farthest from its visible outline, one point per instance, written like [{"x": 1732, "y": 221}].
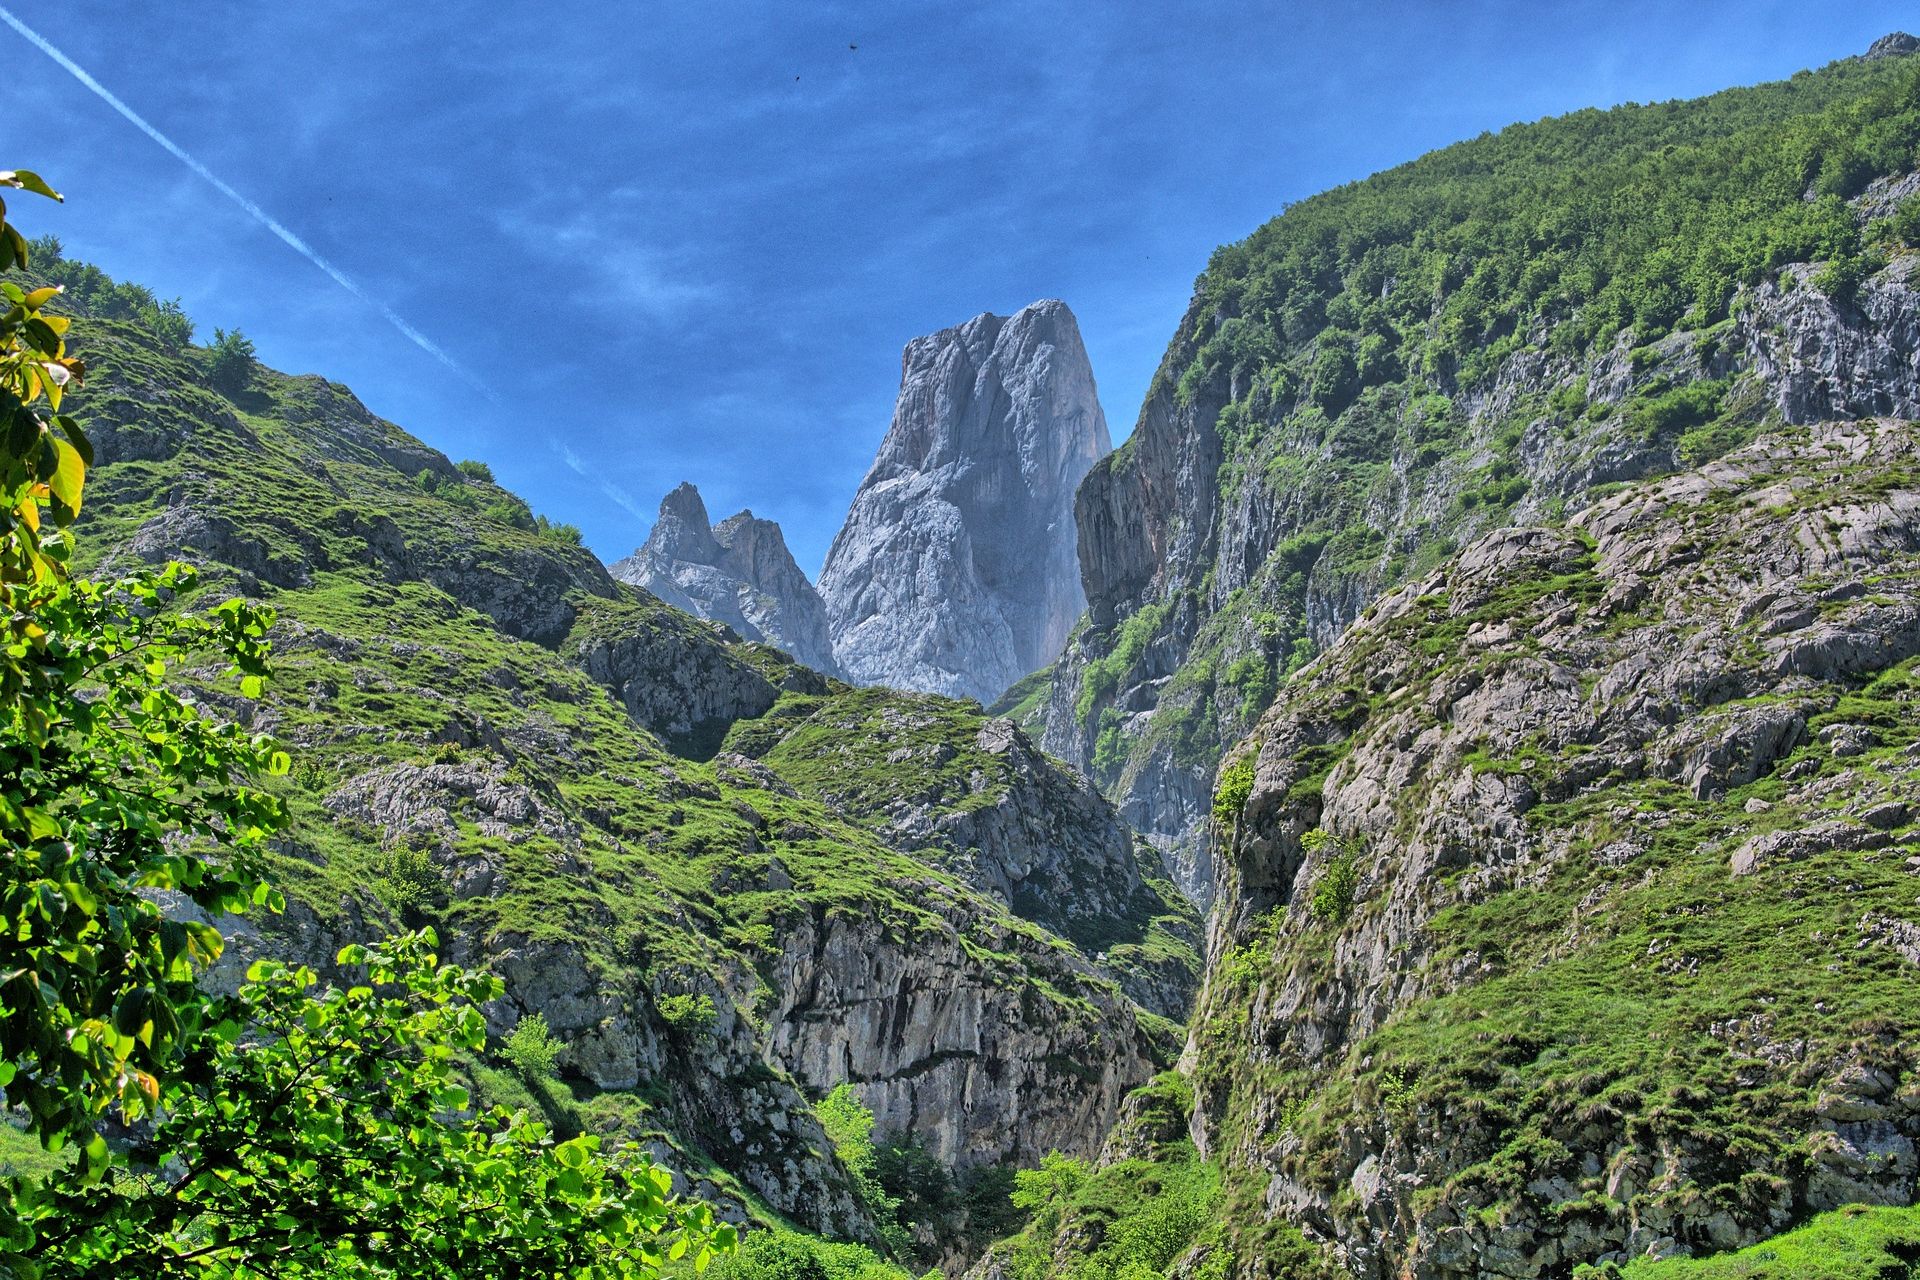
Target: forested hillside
[
  {"x": 1494, "y": 333},
  {"x": 717, "y": 885}
]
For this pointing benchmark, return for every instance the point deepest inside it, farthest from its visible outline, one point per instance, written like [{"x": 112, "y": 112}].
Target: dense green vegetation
[
  {"x": 1135, "y": 1217},
  {"x": 111, "y": 780},
  {"x": 330, "y": 1139},
  {"x": 1855, "y": 1243},
  {"x": 1645, "y": 217},
  {"x": 789, "y": 1255},
  {"x": 1372, "y": 360},
  {"x": 281, "y": 1129}
]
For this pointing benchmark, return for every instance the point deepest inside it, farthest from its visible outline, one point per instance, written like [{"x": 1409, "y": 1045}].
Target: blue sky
[{"x": 689, "y": 241}]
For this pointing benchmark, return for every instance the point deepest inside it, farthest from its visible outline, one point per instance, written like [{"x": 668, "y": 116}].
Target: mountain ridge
[
  {"x": 738, "y": 573},
  {"x": 493, "y": 735}
]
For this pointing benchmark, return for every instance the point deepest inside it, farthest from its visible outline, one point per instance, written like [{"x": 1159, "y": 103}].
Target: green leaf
[
  {"x": 69, "y": 476},
  {"x": 79, "y": 437},
  {"x": 13, "y": 247},
  {"x": 41, "y": 826},
  {"x": 28, "y": 180}
]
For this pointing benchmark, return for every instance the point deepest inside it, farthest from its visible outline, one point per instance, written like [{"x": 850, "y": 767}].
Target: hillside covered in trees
[{"x": 1500, "y": 655}]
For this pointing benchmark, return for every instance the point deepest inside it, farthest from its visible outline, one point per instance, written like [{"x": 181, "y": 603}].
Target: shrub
[
  {"x": 564, "y": 533},
  {"x": 531, "y": 1050},
  {"x": 1235, "y": 786},
  {"x": 1333, "y": 891},
  {"x": 230, "y": 360},
  {"x": 1670, "y": 412},
  {"x": 776, "y": 1255},
  {"x": 474, "y": 469},
  {"x": 407, "y": 879},
  {"x": 511, "y": 512},
  {"x": 1253, "y": 675},
  {"x": 169, "y": 322},
  {"x": 1050, "y": 1186},
  {"x": 849, "y": 1127},
  {"x": 683, "y": 1012}
]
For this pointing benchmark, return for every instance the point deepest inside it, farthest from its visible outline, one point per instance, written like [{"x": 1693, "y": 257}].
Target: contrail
[
  {"x": 253, "y": 210},
  {"x": 614, "y": 493}
]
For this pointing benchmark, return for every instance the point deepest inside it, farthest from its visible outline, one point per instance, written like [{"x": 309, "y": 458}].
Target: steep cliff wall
[
  {"x": 1392, "y": 369},
  {"x": 1567, "y": 910},
  {"x": 955, "y": 572}
]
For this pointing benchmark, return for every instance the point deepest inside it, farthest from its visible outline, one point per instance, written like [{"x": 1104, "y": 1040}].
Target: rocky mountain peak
[
  {"x": 681, "y": 531},
  {"x": 956, "y": 571},
  {"x": 1893, "y": 45},
  {"x": 738, "y": 572},
  {"x": 757, "y": 544}
]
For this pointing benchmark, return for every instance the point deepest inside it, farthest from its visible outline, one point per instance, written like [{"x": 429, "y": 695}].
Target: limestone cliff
[
  {"x": 1566, "y": 911},
  {"x": 956, "y": 569},
  {"x": 738, "y": 572},
  {"x": 1305, "y": 446}
]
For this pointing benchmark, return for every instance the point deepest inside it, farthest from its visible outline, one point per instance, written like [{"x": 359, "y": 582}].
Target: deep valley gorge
[{"x": 1439, "y": 801}]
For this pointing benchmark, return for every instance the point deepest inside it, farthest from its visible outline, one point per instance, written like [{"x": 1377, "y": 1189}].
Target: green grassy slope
[
  {"x": 492, "y": 736},
  {"x": 1856, "y": 1243}
]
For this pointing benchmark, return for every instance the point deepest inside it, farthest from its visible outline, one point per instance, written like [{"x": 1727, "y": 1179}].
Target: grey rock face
[
  {"x": 956, "y": 571},
  {"x": 940, "y": 1048},
  {"x": 1709, "y": 620},
  {"x": 1161, "y": 529},
  {"x": 1893, "y": 45},
  {"x": 738, "y": 572}
]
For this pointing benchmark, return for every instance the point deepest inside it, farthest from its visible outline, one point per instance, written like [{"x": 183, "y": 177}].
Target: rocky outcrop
[
  {"x": 1546, "y": 798},
  {"x": 738, "y": 572},
  {"x": 972, "y": 795},
  {"x": 670, "y": 675},
  {"x": 1212, "y": 567},
  {"x": 956, "y": 570},
  {"x": 941, "y": 1049},
  {"x": 1894, "y": 45}
]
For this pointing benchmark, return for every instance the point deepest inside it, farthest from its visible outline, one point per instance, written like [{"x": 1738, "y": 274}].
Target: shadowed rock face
[
  {"x": 738, "y": 572},
  {"x": 956, "y": 571}
]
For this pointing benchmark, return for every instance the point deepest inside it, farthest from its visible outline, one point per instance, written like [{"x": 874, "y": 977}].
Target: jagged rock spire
[{"x": 956, "y": 571}]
